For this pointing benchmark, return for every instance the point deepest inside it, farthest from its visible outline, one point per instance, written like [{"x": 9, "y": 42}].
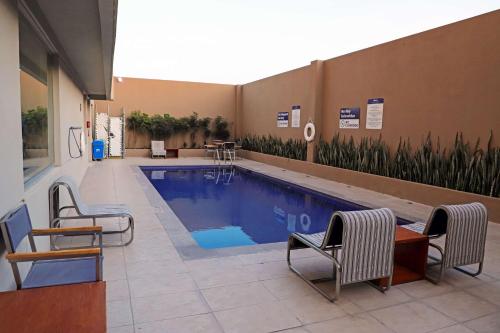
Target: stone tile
[
  {"x": 288, "y": 287},
  {"x": 121, "y": 329},
  {"x": 492, "y": 268},
  {"x": 244, "y": 294},
  {"x": 213, "y": 263},
  {"x": 487, "y": 324},
  {"x": 487, "y": 291},
  {"x": 424, "y": 288},
  {"x": 113, "y": 271},
  {"x": 153, "y": 253},
  {"x": 160, "y": 307},
  {"x": 261, "y": 257},
  {"x": 369, "y": 298},
  {"x": 313, "y": 308},
  {"x": 204, "y": 323},
  {"x": 461, "y": 306},
  {"x": 224, "y": 276},
  {"x": 461, "y": 280},
  {"x": 116, "y": 290},
  {"x": 316, "y": 267},
  {"x": 161, "y": 285},
  {"x": 118, "y": 313},
  {"x": 454, "y": 329},
  {"x": 270, "y": 270},
  {"x": 159, "y": 268},
  {"x": 362, "y": 323},
  {"x": 260, "y": 318},
  {"x": 412, "y": 317}
]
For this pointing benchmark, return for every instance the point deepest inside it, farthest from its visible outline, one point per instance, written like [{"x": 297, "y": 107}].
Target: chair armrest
[
  {"x": 76, "y": 231},
  {"x": 63, "y": 254}
]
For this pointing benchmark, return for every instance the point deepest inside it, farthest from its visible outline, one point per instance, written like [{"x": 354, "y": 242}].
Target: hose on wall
[{"x": 71, "y": 133}]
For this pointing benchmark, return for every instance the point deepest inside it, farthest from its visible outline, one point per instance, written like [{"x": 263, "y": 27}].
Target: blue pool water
[{"x": 235, "y": 207}]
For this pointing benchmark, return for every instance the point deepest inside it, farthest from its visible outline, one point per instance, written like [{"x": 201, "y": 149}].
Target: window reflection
[{"x": 37, "y": 150}]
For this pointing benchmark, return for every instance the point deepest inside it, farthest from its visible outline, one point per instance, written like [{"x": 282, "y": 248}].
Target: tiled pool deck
[{"x": 153, "y": 287}]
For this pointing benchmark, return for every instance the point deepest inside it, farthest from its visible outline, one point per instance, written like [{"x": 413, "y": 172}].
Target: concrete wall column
[
  {"x": 315, "y": 105},
  {"x": 238, "y": 109}
]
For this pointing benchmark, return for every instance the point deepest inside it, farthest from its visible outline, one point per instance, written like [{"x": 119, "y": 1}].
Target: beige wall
[
  {"x": 263, "y": 99},
  {"x": 443, "y": 81},
  {"x": 177, "y": 98},
  {"x": 11, "y": 177},
  {"x": 66, "y": 99}
]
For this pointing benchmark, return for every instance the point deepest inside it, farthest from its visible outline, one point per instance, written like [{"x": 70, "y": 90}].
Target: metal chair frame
[
  {"x": 56, "y": 219},
  {"x": 435, "y": 261},
  {"x": 337, "y": 267},
  {"x": 47, "y": 232},
  {"x": 439, "y": 261}
]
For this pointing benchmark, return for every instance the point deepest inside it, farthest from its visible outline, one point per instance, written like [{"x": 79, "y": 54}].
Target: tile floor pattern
[{"x": 150, "y": 288}]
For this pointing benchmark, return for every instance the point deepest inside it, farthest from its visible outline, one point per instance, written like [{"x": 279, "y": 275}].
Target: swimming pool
[{"x": 233, "y": 206}]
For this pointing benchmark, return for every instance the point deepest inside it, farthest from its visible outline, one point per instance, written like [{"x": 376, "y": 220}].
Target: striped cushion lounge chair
[
  {"x": 465, "y": 229},
  {"x": 85, "y": 211},
  {"x": 366, "y": 242}
]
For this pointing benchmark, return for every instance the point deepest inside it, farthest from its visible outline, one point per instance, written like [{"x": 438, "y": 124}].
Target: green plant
[
  {"x": 34, "y": 124},
  {"x": 294, "y": 149},
  {"x": 204, "y": 124},
  {"x": 160, "y": 127},
  {"x": 138, "y": 122},
  {"x": 464, "y": 167},
  {"x": 221, "y": 131}
]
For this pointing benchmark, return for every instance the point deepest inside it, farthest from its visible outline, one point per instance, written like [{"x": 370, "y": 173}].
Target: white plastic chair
[{"x": 158, "y": 149}]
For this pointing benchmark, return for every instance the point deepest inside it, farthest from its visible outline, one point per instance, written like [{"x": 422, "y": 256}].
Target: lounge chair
[
  {"x": 158, "y": 149},
  {"x": 84, "y": 211},
  {"x": 53, "y": 267},
  {"x": 366, "y": 242},
  {"x": 465, "y": 229}
]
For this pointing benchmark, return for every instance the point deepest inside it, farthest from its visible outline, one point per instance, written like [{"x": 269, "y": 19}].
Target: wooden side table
[
  {"x": 172, "y": 153},
  {"x": 69, "y": 308},
  {"x": 410, "y": 257}
]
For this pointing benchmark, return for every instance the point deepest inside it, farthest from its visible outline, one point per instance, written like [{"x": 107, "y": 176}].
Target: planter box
[
  {"x": 146, "y": 152},
  {"x": 426, "y": 194}
]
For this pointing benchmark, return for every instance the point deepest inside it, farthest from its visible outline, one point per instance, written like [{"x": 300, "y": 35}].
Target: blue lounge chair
[{"x": 52, "y": 267}]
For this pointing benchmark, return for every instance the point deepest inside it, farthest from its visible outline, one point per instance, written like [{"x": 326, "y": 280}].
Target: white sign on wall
[
  {"x": 296, "y": 116},
  {"x": 282, "y": 119},
  {"x": 375, "y": 113}
]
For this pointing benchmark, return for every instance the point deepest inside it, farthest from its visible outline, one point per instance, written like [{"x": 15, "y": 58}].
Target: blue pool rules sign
[
  {"x": 349, "y": 118},
  {"x": 282, "y": 119},
  {"x": 375, "y": 113}
]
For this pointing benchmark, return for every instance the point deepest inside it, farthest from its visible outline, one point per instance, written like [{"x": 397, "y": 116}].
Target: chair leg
[
  {"x": 315, "y": 287},
  {"x": 473, "y": 274},
  {"x": 437, "y": 262}
]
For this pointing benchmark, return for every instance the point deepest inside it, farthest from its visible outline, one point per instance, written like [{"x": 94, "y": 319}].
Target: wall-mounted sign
[
  {"x": 375, "y": 113},
  {"x": 349, "y": 118},
  {"x": 296, "y": 116},
  {"x": 282, "y": 119}
]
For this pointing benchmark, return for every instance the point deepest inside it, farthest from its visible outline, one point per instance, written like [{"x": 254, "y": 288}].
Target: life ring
[
  {"x": 309, "y": 131},
  {"x": 305, "y": 222}
]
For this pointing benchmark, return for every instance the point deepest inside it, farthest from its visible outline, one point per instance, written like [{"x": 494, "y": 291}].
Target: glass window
[{"x": 35, "y": 113}]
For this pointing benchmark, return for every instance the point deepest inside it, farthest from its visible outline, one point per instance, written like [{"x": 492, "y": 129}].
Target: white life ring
[
  {"x": 309, "y": 131},
  {"x": 305, "y": 222}
]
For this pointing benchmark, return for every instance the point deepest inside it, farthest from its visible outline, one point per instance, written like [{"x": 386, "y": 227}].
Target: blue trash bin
[{"x": 97, "y": 150}]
